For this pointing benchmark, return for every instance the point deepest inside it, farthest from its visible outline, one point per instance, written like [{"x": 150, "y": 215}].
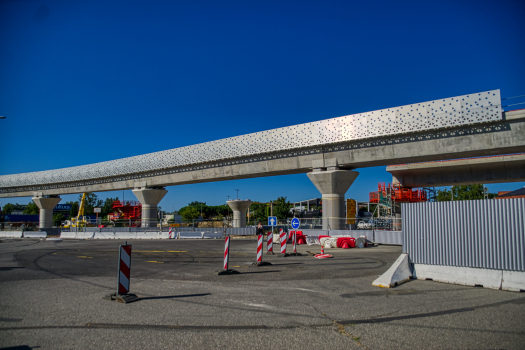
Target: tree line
[{"x": 258, "y": 211}]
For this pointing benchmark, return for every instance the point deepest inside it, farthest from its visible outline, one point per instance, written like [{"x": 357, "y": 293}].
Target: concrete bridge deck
[{"x": 464, "y": 126}]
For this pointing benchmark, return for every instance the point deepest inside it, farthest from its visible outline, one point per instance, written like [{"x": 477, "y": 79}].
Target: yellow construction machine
[{"x": 80, "y": 220}]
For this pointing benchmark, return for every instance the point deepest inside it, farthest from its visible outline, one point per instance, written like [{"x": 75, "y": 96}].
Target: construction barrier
[
  {"x": 259, "y": 247},
  {"x": 226, "y": 253},
  {"x": 212, "y": 235},
  {"x": 11, "y": 234},
  {"x": 345, "y": 242},
  {"x": 104, "y": 235},
  {"x": 147, "y": 235},
  {"x": 186, "y": 235},
  {"x": 282, "y": 238},
  {"x": 170, "y": 234},
  {"x": 269, "y": 242},
  {"x": 165, "y": 235},
  {"x": 125, "y": 235},
  {"x": 35, "y": 234},
  {"x": 124, "y": 267}
]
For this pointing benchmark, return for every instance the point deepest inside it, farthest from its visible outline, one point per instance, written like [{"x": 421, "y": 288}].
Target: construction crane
[{"x": 80, "y": 220}]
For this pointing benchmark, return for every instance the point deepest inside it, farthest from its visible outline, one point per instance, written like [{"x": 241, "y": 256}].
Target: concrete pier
[
  {"x": 333, "y": 185},
  {"x": 46, "y": 206},
  {"x": 149, "y": 198},
  {"x": 239, "y": 208}
]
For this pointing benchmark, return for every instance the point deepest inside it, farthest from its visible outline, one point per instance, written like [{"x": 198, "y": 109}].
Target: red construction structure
[
  {"x": 397, "y": 193},
  {"x": 129, "y": 210}
]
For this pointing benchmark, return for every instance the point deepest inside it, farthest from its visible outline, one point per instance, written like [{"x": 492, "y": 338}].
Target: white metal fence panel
[
  {"x": 486, "y": 234},
  {"x": 388, "y": 237},
  {"x": 240, "y": 231}
]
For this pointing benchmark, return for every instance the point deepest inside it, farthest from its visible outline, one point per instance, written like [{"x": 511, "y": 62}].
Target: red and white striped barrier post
[
  {"x": 269, "y": 243},
  {"x": 170, "y": 234},
  {"x": 226, "y": 253},
  {"x": 259, "y": 262},
  {"x": 226, "y": 270},
  {"x": 259, "y": 248},
  {"x": 283, "y": 238},
  {"x": 124, "y": 269},
  {"x": 124, "y": 273}
]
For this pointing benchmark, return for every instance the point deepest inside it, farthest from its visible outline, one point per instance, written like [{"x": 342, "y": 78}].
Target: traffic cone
[
  {"x": 345, "y": 245},
  {"x": 322, "y": 249}
]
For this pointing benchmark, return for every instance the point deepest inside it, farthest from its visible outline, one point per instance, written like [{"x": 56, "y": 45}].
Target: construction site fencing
[
  {"x": 488, "y": 234},
  {"x": 18, "y": 226}
]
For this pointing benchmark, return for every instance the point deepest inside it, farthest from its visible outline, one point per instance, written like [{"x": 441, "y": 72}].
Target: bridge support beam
[
  {"x": 333, "y": 185},
  {"x": 149, "y": 198},
  {"x": 46, "y": 205},
  {"x": 239, "y": 208}
]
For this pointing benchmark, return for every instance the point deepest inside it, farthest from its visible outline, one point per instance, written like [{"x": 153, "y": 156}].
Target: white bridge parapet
[{"x": 432, "y": 115}]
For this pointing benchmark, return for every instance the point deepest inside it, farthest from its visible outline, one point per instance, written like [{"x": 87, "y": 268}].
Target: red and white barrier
[
  {"x": 226, "y": 252},
  {"x": 259, "y": 247},
  {"x": 269, "y": 243},
  {"x": 124, "y": 268},
  {"x": 170, "y": 234},
  {"x": 282, "y": 237},
  {"x": 294, "y": 238}
]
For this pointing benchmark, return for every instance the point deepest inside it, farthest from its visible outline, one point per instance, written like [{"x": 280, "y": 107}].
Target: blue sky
[{"x": 90, "y": 81}]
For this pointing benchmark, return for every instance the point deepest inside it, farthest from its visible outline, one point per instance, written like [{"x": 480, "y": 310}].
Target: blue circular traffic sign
[{"x": 295, "y": 223}]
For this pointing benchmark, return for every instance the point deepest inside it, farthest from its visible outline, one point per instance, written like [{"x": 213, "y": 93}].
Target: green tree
[
  {"x": 107, "y": 207},
  {"x": 281, "y": 208},
  {"x": 189, "y": 213},
  {"x": 8, "y": 208},
  {"x": 465, "y": 192},
  {"x": 32, "y": 209},
  {"x": 258, "y": 211},
  {"x": 74, "y": 209},
  {"x": 91, "y": 202},
  {"x": 58, "y": 218}
]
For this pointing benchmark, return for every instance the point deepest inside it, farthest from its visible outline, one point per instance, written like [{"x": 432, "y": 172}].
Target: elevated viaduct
[{"x": 328, "y": 151}]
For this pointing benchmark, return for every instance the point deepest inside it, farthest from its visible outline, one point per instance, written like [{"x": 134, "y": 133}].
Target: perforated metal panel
[{"x": 433, "y": 115}]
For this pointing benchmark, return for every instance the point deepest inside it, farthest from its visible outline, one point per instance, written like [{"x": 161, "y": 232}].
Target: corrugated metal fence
[{"x": 486, "y": 234}]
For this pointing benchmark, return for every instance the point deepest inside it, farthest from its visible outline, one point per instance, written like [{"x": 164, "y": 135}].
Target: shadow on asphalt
[
  {"x": 175, "y": 296},
  {"x": 246, "y": 273}
]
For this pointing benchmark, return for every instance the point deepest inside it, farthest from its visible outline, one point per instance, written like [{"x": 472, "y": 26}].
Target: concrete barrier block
[
  {"x": 85, "y": 235},
  {"x": 166, "y": 235},
  {"x": 68, "y": 235},
  {"x": 467, "y": 276},
  {"x": 11, "y": 234},
  {"x": 513, "y": 281},
  {"x": 125, "y": 235},
  {"x": 398, "y": 273},
  {"x": 35, "y": 234},
  {"x": 206, "y": 235},
  {"x": 104, "y": 235},
  {"x": 147, "y": 235},
  {"x": 187, "y": 235}
]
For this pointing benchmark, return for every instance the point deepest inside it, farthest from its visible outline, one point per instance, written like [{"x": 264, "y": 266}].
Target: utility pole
[{"x": 237, "y": 193}]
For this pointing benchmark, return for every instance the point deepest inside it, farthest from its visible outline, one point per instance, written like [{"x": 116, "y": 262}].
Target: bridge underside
[
  {"x": 496, "y": 138},
  {"x": 508, "y": 168}
]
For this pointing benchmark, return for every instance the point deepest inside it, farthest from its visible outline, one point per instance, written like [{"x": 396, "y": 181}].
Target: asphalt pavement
[{"x": 52, "y": 297}]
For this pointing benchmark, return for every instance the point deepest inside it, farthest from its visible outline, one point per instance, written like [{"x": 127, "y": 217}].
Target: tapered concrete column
[
  {"x": 149, "y": 198},
  {"x": 239, "y": 208},
  {"x": 46, "y": 206},
  {"x": 333, "y": 185}
]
